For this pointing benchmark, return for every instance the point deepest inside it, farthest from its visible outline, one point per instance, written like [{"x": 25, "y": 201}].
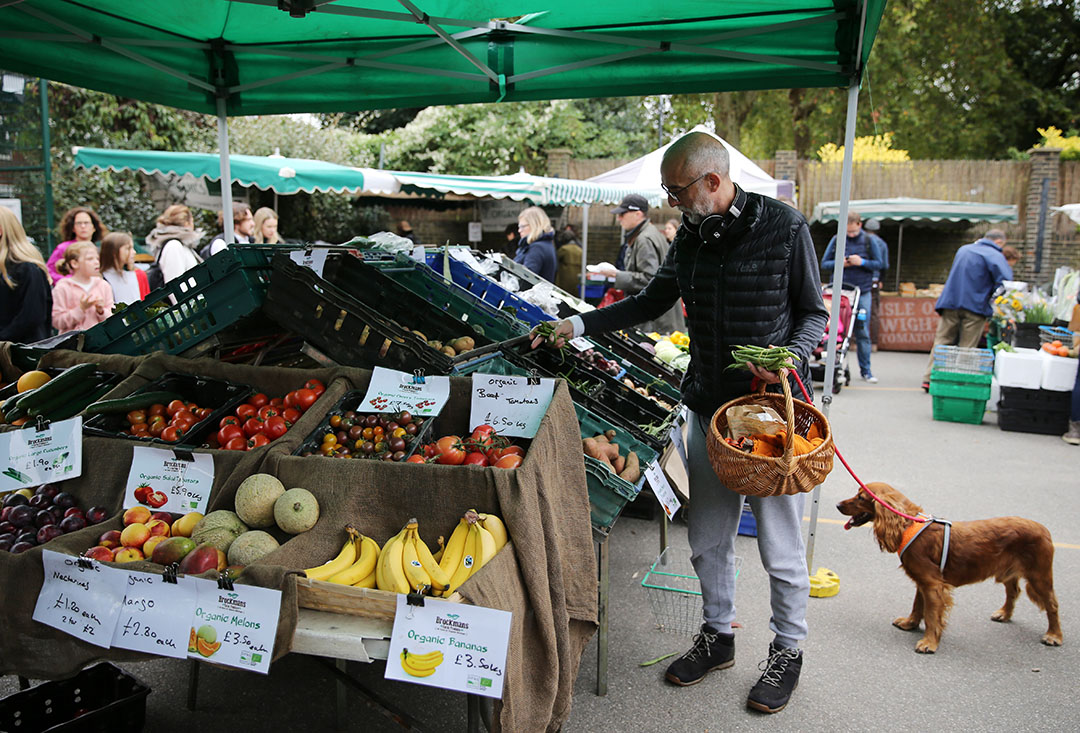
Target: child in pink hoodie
[{"x": 83, "y": 299}]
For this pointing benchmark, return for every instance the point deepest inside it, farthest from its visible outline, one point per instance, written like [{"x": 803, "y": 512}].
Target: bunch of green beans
[
  {"x": 771, "y": 358},
  {"x": 546, "y": 330}
]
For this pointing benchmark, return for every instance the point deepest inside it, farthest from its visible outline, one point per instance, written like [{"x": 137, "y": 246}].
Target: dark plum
[
  {"x": 14, "y": 499},
  {"x": 21, "y": 547},
  {"x": 48, "y": 532},
  {"x": 73, "y": 523},
  {"x": 27, "y": 535},
  {"x": 39, "y": 501},
  {"x": 48, "y": 491},
  {"x": 6, "y": 542},
  {"x": 44, "y": 517},
  {"x": 22, "y": 515},
  {"x": 58, "y": 512},
  {"x": 7, "y": 527},
  {"x": 65, "y": 500},
  {"x": 96, "y": 514},
  {"x": 74, "y": 510}
]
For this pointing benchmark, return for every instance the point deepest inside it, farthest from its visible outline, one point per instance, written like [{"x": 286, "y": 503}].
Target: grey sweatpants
[{"x": 713, "y": 519}]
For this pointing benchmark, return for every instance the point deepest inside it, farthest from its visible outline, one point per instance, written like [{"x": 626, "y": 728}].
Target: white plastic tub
[
  {"x": 1020, "y": 368},
  {"x": 1058, "y": 372}
]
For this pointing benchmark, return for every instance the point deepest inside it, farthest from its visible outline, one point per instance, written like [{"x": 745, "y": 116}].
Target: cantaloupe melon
[
  {"x": 296, "y": 511},
  {"x": 255, "y": 500}
]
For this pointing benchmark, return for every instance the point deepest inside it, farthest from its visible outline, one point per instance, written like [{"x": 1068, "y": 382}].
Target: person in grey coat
[{"x": 644, "y": 250}]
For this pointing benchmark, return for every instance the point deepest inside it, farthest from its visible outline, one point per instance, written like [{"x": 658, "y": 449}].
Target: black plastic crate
[
  {"x": 1032, "y": 421},
  {"x": 343, "y": 314},
  {"x": 100, "y": 699},
  {"x": 350, "y": 401},
  {"x": 1042, "y": 400},
  {"x": 220, "y": 396},
  {"x": 624, "y": 345}
]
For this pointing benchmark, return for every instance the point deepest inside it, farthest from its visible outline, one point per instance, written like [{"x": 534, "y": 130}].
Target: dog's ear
[{"x": 888, "y": 528}]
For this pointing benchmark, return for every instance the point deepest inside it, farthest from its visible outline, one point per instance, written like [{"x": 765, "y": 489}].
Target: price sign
[
  {"x": 155, "y": 616},
  {"x": 418, "y": 253},
  {"x": 450, "y": 645},
  {"x": 234, "y": 627},
  {"x": 662, "y": 489},
  {"x": 314, "y": 259},
  {"x": 30, "y": 457},
  {"x": 582, "y": 344},
  {"x": 509, "y": 403},
  {"x": 169, "y": 481},
  {"x": 391, "y": 391},
  {"x": 80, "y": 597}
]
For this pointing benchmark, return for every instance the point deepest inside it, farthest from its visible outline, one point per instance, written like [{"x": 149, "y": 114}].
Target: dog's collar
[{"x": 914, "y": 529}]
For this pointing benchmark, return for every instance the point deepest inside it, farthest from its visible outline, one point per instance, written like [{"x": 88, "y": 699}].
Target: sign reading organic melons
[
  {"x": 169, "y": 481},
  {"x": 450, "y": 645},
  {"x": 393, "y": 391},
  {"x": 512, "y": 405},
  {"x": 234, "y": 627},
  {"x": 29, "y": 457}
]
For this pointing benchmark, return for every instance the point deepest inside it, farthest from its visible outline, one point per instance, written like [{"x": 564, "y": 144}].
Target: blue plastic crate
[{"x": 487, "y": 289}]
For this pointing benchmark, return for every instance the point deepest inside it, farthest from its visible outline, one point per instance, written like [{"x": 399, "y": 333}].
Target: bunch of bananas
[
  {"x": 353, "y": 565},
  {"x": 420, "y": 665},
  {"x": 474, "y": 541},
  {"x": 406, "y": 564}
]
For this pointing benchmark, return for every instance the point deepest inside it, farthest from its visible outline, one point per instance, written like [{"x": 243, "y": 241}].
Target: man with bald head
[{"x": 745, "y": 267}]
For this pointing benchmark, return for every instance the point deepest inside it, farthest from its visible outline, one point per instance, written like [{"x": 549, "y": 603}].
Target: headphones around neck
[{"x": 714, "y": 227}]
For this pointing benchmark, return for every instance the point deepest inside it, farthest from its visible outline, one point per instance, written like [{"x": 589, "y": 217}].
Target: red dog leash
[{"x": 862, "y": 486}]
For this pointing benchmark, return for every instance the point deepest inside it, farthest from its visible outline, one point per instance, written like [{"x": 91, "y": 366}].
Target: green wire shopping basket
[{"x": 675, "y": 592}]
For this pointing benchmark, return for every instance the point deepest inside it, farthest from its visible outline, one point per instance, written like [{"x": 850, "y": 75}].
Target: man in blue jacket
[
  {"x": 964, "y": 305},
  {"x": 861, "y": 261}
]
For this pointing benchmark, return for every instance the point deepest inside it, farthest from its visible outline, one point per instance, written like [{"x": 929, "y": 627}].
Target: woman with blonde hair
[
  {"x": 25, "y": 294},
  {"x": 128, "y": 283},
  {"x": 175, "y": 242},
  {"x": 536, "y": 249},
  {"x": 78, "y": 224},
  {"x": 266, "y": 231}
]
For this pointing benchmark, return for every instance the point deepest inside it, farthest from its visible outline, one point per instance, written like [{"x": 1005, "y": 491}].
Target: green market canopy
[
  {"x": 284, "y": 175},
  {"x": 280, "y": 56},
  {"x": 908, "y": 209},
  {"x": 541, "y": 190}
]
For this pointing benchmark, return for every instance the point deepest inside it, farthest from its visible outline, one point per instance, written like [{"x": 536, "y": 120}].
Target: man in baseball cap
[{"x": 632, "y": 202}]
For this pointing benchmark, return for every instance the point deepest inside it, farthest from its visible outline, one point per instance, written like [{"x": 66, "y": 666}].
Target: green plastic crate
[
  {"x": 959, "y": 409},
  {"x": 654, "y": 382},
  {"x": 209, "y": 297},
  {"x": 938, "y": 375},
  {"x": 608, "y": 495},
  {"x": 494, "y": 364}
]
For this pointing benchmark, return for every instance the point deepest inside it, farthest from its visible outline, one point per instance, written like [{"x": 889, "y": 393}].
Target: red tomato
[
  {"x": 417, "y": 458},
  {"x": 508, "y": 462},
  {"x": 305, "y": 398},
  {"x": 449, "y": 451},
  {"x": 253, "y": 426},
  {"x": 202, "y": 412},
  {"x": 290, "y": 399},
  {"x": 258, "y": 400},
  {"x": 229, "y": 420},
  {"x": 228, "y": 432},
  {"x": 246, "y": 411},
  {"x": 275, "y": 427},
  {"x": 136, "y": 416},
  {"x": 278, "y": 402},
  {"x": 237, "y": 444},
  {"x": 140, "y": 427},
  {"x": 184, "y": 415},
  {"x": 257, "y": 441},
  {"x": 513, "y": 450},
  {"x": 174, "y": 407},
  {"x": 268, "y": 411},
  {"x": 291, "y": 415},
  {"x": 170, "y": 434},
  {"x": 476, "y": 458},
  {"x": 157, "y": 426},
  {"x": 182, "y": 423},
  {"x": 315, "y": 386},
  {"x": 156, "y": 409},
  {"x": 430, "y": 450}
]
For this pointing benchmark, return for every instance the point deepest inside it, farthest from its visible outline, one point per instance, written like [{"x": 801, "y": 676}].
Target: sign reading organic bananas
[{"x": 450, "y": 645}]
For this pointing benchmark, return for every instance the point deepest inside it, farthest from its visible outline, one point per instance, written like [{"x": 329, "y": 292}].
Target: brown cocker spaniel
[{"x": 1005, "y": 549}]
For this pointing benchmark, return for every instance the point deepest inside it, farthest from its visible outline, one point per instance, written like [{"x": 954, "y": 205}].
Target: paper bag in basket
[{"x": 746, "y": 420}]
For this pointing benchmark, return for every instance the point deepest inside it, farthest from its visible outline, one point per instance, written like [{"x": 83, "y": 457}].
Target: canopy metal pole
[
  {"x": 899, "y": 251},
  {"x": 226, "y": 171},
  {"x": 837, "y": 284},
  {"x": 584, "y": 246}
]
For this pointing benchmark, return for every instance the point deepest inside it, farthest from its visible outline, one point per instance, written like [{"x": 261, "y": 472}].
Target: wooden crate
[{"x": 320, "y": 595}]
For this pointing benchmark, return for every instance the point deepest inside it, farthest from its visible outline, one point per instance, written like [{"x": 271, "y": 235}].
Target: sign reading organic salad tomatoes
[
  {"x": 393, "y": 391},
  {"x": 169, "y": 481}
]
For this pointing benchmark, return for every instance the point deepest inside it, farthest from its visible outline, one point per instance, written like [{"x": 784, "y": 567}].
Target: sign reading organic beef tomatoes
[{"x": 169, "y": 480}]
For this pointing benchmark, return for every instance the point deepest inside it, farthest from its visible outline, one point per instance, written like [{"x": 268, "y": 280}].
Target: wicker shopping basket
[{"x": 753, "y": 475}]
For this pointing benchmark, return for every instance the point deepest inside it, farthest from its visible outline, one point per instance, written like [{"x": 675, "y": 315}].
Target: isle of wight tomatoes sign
[{"x": 907, "y": 324}]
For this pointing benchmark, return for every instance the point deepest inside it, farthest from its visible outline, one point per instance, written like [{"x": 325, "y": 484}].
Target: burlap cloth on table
[
  {"x": 546, "y": 576},
  {"x": 34, "y": 650}
]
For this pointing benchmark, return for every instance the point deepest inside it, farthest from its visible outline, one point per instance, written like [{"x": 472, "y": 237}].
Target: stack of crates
[{"x": 960, "y": 383}]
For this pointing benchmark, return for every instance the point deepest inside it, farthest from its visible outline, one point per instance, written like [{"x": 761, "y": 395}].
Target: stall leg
[
  {"x": 24, "y": 684},
  {"x": 663, "y": 531},
  {"x": 342, "y": 700},
  {"x": 192, "y": 684},
  {"x": 472, "y": 702},
  {"x": 602, "y": 620}
]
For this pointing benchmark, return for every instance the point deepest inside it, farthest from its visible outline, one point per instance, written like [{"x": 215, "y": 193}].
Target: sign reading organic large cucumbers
[
  {"x": 29, "y": 457},
  {"x": 450, "y": 645}
]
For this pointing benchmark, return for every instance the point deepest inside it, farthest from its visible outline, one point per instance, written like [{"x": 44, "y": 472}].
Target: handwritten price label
[
  {"x": 82, "y": 600},
  {"x": 510, "y": 404},
  {"x": 155, "y": 615}
]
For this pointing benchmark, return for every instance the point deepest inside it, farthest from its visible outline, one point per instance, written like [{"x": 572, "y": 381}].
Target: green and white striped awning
[
  {"x": 909, "y": 209},
  {"x": 541, "y": 190}
]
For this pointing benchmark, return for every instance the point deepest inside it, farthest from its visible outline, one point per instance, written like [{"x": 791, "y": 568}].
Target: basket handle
[{"x": 789, "y": 415}]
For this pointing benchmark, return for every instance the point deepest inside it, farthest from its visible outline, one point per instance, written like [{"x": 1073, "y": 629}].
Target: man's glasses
[{"x": 674, "y": 193}]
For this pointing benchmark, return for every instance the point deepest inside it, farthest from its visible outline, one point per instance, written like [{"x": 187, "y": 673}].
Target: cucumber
[
  {"x": 74, "y": 407},
  {"x": 60, "y": 383},
  {"x": 131, "y": 402},
  {"x": 76, "y": 392}
]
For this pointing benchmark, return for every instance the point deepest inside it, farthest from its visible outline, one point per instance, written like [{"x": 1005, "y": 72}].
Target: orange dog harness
[{"x": 914, "y": 529}]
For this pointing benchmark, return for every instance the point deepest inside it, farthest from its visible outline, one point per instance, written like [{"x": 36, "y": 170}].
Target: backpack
[{"x": 155, "y": 278}]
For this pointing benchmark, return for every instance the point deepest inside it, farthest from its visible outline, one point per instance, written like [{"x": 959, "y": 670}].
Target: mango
[
  {"x": 202, "y": 558},
  {"x": 173, "y": 549}
]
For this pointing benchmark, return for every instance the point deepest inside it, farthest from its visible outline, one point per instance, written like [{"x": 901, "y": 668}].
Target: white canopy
[
  {"x": 645, "y": 172},
  {"x": 1070, "y": 210}
]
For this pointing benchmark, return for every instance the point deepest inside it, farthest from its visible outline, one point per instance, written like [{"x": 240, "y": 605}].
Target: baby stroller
[{"x": 849, "y": 306}]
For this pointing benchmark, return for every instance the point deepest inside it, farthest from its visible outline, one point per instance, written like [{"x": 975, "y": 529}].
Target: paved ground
[{"x": 860, "y": 673}]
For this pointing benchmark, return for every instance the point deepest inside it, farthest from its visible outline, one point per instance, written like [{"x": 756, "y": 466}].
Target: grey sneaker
[
  {"x": 779, "y": 679},
  {"x": 1073, "y": 436},
  {"x": 712, "y": 650},
  {"x": 869, "y": 378}
]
